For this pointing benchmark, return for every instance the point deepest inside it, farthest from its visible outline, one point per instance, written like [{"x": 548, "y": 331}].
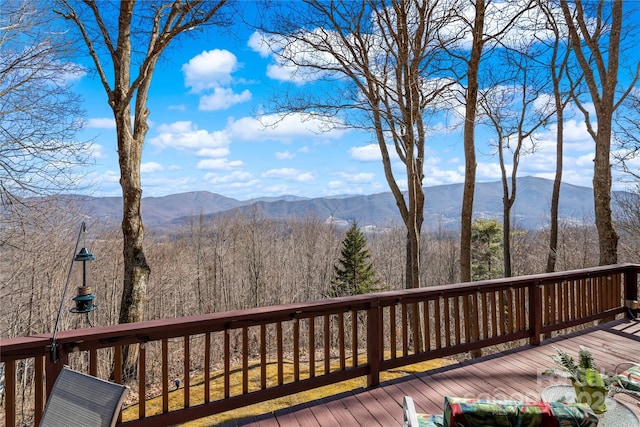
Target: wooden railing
[{"x": 325, "y": 342}]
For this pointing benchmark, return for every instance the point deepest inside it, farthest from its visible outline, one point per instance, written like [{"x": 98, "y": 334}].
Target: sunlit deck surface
[{"x": 514, "y": 374}]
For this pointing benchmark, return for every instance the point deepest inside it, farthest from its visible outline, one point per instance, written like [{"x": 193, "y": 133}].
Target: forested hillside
[{"x": 236, "y": 262}]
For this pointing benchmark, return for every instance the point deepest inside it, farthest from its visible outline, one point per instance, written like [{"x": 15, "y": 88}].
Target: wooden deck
[{"x": 510, "y": 375}]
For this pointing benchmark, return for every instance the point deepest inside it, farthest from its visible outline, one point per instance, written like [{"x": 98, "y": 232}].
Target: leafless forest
[
  {"x": 230, "y": 263},
  {"x": 225, "y": 264}
]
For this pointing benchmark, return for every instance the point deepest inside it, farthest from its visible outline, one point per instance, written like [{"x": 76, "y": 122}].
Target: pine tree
[
  {"x": 486, "y": 241},
  {"x": 354, "y": 274}
]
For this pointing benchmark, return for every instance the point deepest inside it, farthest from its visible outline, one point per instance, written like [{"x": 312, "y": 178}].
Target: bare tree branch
[{"x": 39, "y": 112}]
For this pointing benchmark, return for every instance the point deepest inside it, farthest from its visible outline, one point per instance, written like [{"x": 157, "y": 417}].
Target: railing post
[
  {"x": 373, "y": 343},
  {"x": 39, "y": 387},
  {"x": 535, "y": 312},
  {"x": 10, "y": 392},
  {"x": 52, "y": 368},
  {"x": 631, "y": 291}
]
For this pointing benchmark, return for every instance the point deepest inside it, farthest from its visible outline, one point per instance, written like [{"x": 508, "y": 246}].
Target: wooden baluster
[
  {"x": 510, "y": 315},
  {"x": 501, "y": 313},
  {"x": 559, "y": 301},
  {"x": 354, "y": 337},
  {"x": 553, "y": 304},
  {"x": 583, "y": 297},
  {"x": 495, "y": 329},
  {"x": 427, "y": 325},
  {"x": 535, "y": 313},
  {"x": 467, "y": 318},
  {"x": 341, "y": 341},
  {"x": 437, "y": 323},
  {"x": 186, "y": 368},
  {"x": 476, "y": 316},
  {"x": 327, "y": 345},
  {"x": 227, "y": 364},
  {"x": 417, "y": 341},
  {"x": 207, "y": 367},
  {"x": 447, "y": 323},
  {"x": 312, "y": 347},
  {"x": 405, "y": 329},
  {"x": 165, "y": 375},
  {"x": 39, "y": 388},
  {"x": 280, "y": 353},
  {"x": 296, "y": 350},
  {"x": 245, "y": 360},
  {"x": 142, "y": 381},
  {"x": 459, "y": 317},
  {"x": 263, "y": 356},
  {"x": 392, "y": 330}
]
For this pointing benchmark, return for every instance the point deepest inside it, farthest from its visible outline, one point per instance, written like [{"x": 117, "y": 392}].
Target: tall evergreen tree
[
  {"x": 354, "y": 274},
  {"x": 486, "y": 243}
]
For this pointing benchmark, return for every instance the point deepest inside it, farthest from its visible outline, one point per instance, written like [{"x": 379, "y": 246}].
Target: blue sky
[{"x": 206, "y": 95}]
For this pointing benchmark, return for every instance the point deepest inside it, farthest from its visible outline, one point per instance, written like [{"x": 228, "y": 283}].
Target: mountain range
[{"x": 442, "y": 206}]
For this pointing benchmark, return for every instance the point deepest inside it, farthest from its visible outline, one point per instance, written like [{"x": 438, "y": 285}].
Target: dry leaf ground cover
[{"x": 154, "y": 405}]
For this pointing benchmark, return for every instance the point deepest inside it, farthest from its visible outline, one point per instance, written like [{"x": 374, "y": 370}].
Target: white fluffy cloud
[
  {"x": 366, "y": 153},
  {"x": 357, "y": 177},
  {"x": 96, "y": 151},
  {"x": 258, "y": 43},
  {"x": 576, "y": 136},
  {"x": 222, "y": 98},
  {"x": 283, "y": 69},
  {"x": 294, "y": 60},
  {"x": 285, "y": 128},
  {"x": 289, "y": 174},
  {"x": 284, "y": 73},
  {"x": 219, "y": 164},
  {"x": 233, "y": 177},
  {"x": 151, "y": 167},
  {"x": 214, "y": 146},
  {"x": 210, "y": 75},
  {"x": 209, "y": 69},
  {"x": 101, "y": 123},
  {"x": 285, "y": 155},
  {"x": 213, "y": 152},
  {"x": 186, "y": 135},
  {"x": 371, "y": 153}
]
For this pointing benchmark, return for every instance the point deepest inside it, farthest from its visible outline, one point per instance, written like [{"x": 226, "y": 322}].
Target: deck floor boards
[{"x": 513, "y": 374}]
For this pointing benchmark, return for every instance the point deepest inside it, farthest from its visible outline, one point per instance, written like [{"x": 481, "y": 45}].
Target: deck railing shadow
[{"x": 324, "y": 342}]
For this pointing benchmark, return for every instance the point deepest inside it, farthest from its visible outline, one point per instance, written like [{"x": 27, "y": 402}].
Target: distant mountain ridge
[{"x": 442, "y": 206}]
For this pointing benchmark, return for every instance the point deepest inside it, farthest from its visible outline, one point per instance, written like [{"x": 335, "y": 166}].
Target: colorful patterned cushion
[
  {"x": 573, "y": 414},
  {"x": 459, "y": 412},
  {"x": 630, "y": 378},
  {"x": 428, "y": 420}
]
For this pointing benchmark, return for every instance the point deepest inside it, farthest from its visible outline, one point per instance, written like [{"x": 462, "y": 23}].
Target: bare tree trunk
[
  {"x": 130, "y": 143},
  {"x": 160, "y": 24},
  {"x": 136, "y": 269},
  {"x": 471, "y": 99},
  {"x": 552, "y": 255},
  {"x": 506, "y": 226},
  {"x": 607, "y": 235},
  {"x": 556, "y": 72}
]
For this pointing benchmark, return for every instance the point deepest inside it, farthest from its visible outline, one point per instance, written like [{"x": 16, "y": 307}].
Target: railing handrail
[{"x": 128, "y": 333}]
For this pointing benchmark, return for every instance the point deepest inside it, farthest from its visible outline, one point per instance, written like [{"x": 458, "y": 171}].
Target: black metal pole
[{"x": 54, "y": 344}]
